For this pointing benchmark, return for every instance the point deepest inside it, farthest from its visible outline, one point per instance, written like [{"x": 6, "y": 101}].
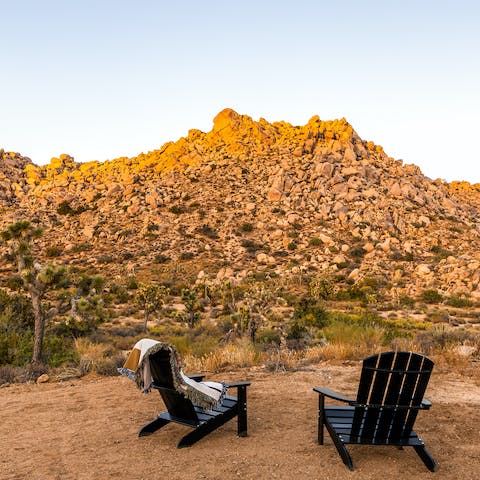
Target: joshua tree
[
  {"x": 36, "y": 278},
  {"x": 192, "y": 305},
  {"x": 258, "y": 305},
  {"x": 150, "y": 297}
]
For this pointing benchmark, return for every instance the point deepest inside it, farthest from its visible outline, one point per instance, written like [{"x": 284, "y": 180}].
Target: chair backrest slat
[
  {"x": 418, "y": 393},
  {"x": 390, "y": 379},
  {"x": 392, "y": 395},
  {"x": 367, "y": 420},
  {"x": 161, "y": 370}
]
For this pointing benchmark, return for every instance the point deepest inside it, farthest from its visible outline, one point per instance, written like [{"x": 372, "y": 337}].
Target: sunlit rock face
[{"x": 252, "y": 195}]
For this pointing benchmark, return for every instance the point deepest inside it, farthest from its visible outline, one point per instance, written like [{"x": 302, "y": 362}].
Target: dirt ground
[{"x": 87, "y": 429}]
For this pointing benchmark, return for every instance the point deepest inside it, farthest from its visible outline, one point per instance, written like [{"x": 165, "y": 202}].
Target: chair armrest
[
  {"x": 198, "y": 377},
  {"x": 237, "y": 384},
  {"x": 426, "y": 404},
  {"x": 335, "y": 395}
]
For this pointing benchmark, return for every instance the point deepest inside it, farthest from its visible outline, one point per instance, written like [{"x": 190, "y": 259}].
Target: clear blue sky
[{"x": 99, "y": 79}]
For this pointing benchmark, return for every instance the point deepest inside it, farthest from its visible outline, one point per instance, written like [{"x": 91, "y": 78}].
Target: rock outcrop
[{"x": 253, "y": 195}]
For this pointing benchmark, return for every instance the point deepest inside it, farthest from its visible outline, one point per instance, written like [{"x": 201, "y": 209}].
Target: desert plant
[
  {"x": 36, "y": 278},
  {"x": 191, "y": 302},
  {"x": 431, "y": 296},
  {"x": 150, "y": 297},
  {"x": 258, "y": 302},
  {"x": 321, "y": 288}
]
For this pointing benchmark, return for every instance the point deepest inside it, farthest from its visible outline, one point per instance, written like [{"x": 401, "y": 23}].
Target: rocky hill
[{"x": 255, "y": 196}]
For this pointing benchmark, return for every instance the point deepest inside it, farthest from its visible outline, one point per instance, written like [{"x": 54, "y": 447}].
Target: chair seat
[
  {"x": 341, "y": 420},
  {"x": 228, "y": 408}
]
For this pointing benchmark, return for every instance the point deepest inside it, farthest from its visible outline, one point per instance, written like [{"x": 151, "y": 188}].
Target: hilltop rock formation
[{"x": 253, "y": 195}]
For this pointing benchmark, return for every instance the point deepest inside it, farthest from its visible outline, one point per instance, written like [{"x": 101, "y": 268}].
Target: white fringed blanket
[{"x": 137, "y": 368}]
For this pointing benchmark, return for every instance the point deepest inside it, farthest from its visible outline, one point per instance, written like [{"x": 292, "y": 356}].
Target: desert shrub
[
  {"x": 74, "y": 328},
  {"x": 251, "y": 246},
  {"x": 358, "y": 339},
  {"x": 406, "y": 301},
  {"x": 296, "y": 330},
  {"x": 282, "y": 360},
  {"x": 225, "y": 324},
  {"x": 177, "y": 209},
  {"x": 89, "y": 354},
  {"x": 109, "y": 365},
  {"x": 321, "y": 288},
  {"x": 440, "y": 253},
  {"x": 15, "y": 312},
  {"x": 119, "y": 293},
  {"x": 315, "y": 242},
  {"x": 246, "y": 227},
  {"x": 7, "y": 374},
  {"x": 240, "y": 354},
  {"x": 268, "y": 336},
  {"x": 208, "y": 231},
  {"x": 30, "y": 372},
  {"x": 459, "y": 302},
  {"x": 444, "y": 338},
  {"x": 431, "y": 296},
  {"x": 357, "y": 252},
  {"x": 310, "y": 313},
  {"x": 152, "y": 227},
  {"x": 16, "y": 329},
  {"x": 57, "y": 350},
  {"x": 161, "y": 258},
  {"x": 53, "y": 251},
  {"x": 16, "y": 348},
  {"x": 14, "y": 282},
  {"x": 64, "y": 208},
  {"x": 81, "y": 247},
  {"x": 106, "y": 259}
]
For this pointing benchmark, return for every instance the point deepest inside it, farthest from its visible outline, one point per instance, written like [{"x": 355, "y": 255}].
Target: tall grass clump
[
  {"x": 233, "y": 355},
  {"x": 97, "y": 357}
]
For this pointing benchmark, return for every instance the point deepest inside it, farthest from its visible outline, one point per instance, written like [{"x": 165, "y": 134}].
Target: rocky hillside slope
[{"x": 253, "y": 195}]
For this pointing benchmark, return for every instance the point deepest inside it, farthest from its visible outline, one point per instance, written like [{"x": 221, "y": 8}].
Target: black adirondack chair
[
  {"x": 183, "y": 411},
  {"x": 389, "y": 397}
]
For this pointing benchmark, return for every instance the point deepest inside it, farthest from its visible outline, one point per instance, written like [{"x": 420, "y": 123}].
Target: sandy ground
[{"x": 86, "y": 429}]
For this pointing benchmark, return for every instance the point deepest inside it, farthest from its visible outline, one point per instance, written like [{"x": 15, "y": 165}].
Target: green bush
[
  {"x": 251, "y": 246},
  {"x": 310, "y": 313},
  {"x": 246, "y": 227},
  {"x": 459, "y": 302},
  {"x": 54, "y": 251},
  {"x": 177, "y": 209},
  {"x": 431, "y": 296}
]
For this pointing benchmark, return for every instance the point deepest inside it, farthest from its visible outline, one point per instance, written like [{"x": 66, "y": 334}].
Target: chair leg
[
  {"x": 197, "y": 434},
  {"x": 242, "y": 411},
  {"x": 341, "y": 448},
  {"x": 321, "y": 415},
  {"x": 153, "y": 426},
  {"x": 427, "y": 459}
]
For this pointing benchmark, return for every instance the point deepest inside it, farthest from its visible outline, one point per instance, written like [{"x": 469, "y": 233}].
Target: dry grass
[
  {"x": 240, "y": 354},
  {"x": 97, "y": 357},
  {"x": 283, "y": 360}
]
